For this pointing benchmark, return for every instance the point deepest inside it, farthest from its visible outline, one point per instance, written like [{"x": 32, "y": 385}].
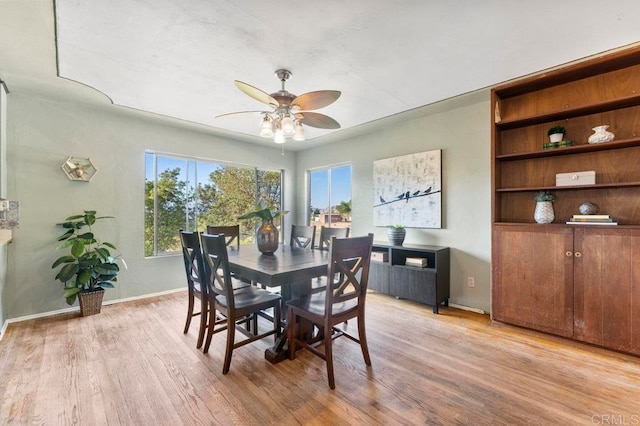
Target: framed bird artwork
[{"x": 408, "y": 190}]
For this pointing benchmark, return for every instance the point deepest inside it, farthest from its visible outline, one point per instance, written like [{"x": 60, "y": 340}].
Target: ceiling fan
[{"x": 289, "y": 112}]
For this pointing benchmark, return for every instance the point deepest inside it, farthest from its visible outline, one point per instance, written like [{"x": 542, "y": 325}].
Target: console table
[{"x": 389, "y": 274}]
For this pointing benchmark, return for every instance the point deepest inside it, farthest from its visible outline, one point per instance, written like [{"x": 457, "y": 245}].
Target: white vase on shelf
[
  {"x": 544, "y": 212},
  {"x": 601, "y": 135},
  {"x": 556, "y": 137}
]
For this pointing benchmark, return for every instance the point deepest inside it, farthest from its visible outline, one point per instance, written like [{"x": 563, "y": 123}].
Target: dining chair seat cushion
[
  {"x": 250, "y": 296},
  {"x": 315, "y": 304}
]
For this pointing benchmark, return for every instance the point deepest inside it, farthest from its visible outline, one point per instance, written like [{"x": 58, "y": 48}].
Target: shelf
[
  {"x": 608, "y": 105},
  {"x": 601, "y": 64},
  {"x": 562, "y": 188},
  {"x": 564, "y": 225},
  {"x": 570, "y": 150}
]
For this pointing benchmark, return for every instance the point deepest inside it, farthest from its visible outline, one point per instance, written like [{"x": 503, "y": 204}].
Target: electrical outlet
[{"x": 471, "y": 281}]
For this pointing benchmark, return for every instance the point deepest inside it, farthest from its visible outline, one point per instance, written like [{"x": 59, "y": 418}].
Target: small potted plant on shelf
[
  {"x": 267, "y": 234},
  {"x": 89, "y": 267},
  {"x": 556, "y": 133},
  {"x": 396, "y": 234},
  {"x": 544, "y": 207}
]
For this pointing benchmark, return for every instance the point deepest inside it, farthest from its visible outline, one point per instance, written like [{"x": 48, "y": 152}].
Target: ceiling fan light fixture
[
  {"x": 299, "y": 132},
  {"x": 279, "y": 137},
  {"x": 287, "y": 125},
  {"x": 284, "y": 120},
  {"x": 266, "y": 130}
]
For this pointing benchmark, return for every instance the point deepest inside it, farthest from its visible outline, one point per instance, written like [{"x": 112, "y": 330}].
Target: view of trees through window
[
  {"x": 182, "y": 193},
  {"x": 330, "y": 197}
]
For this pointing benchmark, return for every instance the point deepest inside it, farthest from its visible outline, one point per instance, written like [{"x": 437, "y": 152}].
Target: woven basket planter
[{"x": 91, "y": 302}]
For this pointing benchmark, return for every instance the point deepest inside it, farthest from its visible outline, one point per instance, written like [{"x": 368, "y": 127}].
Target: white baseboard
[
  {"x": 76, "y": 308},
  {"x": 467, "y": 308}
]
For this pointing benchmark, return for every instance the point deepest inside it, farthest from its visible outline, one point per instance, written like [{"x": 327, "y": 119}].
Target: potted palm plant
[
  {"x": 90, "y": 267},
  {"x": 267, "y": 234}
]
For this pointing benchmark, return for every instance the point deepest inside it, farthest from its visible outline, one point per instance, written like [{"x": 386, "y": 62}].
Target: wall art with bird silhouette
[{"x": 407, "y": 190}]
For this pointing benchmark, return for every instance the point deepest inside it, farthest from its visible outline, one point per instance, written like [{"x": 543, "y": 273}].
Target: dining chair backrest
[
  {"x": 194, "y": 268},
  {"x": 303, "y": 236},
  {"x": 349, "y": 262},
  {"x": 193, "y": 262},
  {"x": 326, "y": 233},
  {"x": 231, "y": 233},
  {"x": 216, "y": 263}
]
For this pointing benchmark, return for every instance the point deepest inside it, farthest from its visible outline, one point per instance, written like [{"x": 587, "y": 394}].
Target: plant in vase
[
  {"x": 544, "y": 207},
  {"x": 396, "y": 234},
  {"x": 556, "y": 133},
  {"x": 89, "y": 267},
  {"x": 267, "y": 234}
]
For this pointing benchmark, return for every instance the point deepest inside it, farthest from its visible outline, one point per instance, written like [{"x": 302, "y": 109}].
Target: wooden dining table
[{"x": 290, "y": 268}]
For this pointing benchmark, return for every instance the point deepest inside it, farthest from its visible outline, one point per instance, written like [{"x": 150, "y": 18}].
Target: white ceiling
[{"x": 179, "y": 59}]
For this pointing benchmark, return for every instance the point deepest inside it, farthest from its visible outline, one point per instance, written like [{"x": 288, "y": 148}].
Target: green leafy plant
[
  {"x": 89, "y": 264},
  {"x": 555, "y": 129},
  {"x": 396, "y": 226},
  {"x": 544, "y": 196},
  {"x": 263, "y": 212}
]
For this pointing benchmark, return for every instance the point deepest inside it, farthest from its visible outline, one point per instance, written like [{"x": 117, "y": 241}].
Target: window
[
  {"x": 330, "y": 197},
  {"x": 184, "y": 193}
]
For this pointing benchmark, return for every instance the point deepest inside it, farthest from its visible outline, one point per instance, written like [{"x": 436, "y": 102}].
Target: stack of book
[
  {"x": 552, "y": 145},
  {"x": 591, "y": 219},
  {"x": 416, "y": 261}
]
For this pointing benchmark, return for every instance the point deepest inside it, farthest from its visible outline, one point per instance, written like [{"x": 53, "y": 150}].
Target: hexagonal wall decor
[{"x": 79, "y": 168}]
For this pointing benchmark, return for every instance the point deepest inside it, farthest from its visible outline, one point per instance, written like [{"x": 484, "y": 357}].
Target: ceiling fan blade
[
  {"x": 316, "y": 100},
  {"x": 240, "y": 113},
  {"x": 319, "y": 121},
  {"x": 256, "y": 93}
]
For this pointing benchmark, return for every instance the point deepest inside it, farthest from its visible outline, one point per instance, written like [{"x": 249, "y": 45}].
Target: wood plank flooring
[{"x": 132, "y": 365}]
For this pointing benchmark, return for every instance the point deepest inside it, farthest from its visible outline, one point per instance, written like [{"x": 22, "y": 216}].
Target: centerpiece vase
[{"x": 267, "y": 237}]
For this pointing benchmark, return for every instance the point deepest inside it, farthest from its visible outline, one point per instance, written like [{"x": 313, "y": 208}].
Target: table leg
[{"x": 280, "y": 351}]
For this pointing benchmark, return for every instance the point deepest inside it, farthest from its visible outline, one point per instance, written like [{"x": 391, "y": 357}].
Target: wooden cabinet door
[
  {"x": 607, "y": 288},
  {"x": 379, "y": 276},
  {"x": 532, "y": 277}
]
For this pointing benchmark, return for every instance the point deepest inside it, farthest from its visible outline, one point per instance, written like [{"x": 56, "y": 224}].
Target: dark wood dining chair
[
  {"x": 303, "y": 236},
  {"x": 342, "y": 300},
  {"x": 326, "y": 233},
  {"x": 325, "y": 241},
  {"x": 194, "y": 267},
  {"x": 231, "y": 233},
  {"x": 236, "y": 307}
]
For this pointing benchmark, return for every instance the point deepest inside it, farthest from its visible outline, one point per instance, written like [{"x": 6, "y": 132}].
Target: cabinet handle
[
  {"x": 569, "y": 254},
  {"x": 578, "y": 254}
]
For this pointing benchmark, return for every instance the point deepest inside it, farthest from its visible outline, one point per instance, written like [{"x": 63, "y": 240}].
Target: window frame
[
  {"x": 328, "y": 168},
  {"x": 190, "y": 161}
]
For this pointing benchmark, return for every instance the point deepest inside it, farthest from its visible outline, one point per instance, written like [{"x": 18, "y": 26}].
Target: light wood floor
[{"x": 132, "y": 365}]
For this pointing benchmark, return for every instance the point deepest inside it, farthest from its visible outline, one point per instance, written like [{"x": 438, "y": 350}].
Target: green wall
[
  {"x": 42, "y": 134},
  {"x": 460, "y": 127},
  {"x": 3, "y": 194}
]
